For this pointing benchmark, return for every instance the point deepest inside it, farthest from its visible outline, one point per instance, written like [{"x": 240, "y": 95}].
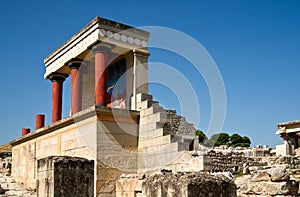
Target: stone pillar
[
  {"x": 101, "y": 52},
  {"x": 65, "y": 176},
  {"x": 285, "y": 139},
  {"x": 57, "y": 88},
  {"x": 140, "y": 75},
  {"x": 39, "y": 121},
  {"x": 295, "y": 142},
  {"x": 76, "y": 91},
  {"x": 25, "y": 131}
]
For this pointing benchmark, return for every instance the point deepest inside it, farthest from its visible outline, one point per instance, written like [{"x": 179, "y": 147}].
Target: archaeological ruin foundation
[{"x": 119, "y": 142}]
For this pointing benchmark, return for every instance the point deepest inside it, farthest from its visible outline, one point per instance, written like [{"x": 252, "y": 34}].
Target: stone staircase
[
  {"x": 163, "y": 135},
  {"x": 8, "y": 187}
]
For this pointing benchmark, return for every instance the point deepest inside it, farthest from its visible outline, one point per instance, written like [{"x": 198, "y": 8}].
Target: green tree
[
  {"x": 218, "y": 139},
  {"x": 235, "y": 139},
  {"x": 224, "y": 139},
  {"x": 246, "y": 140},
  {"x": 202, "y": 137}
]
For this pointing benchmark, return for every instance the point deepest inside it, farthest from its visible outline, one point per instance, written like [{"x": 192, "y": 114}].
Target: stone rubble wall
[
  {"x": 65, "y": 176},
  {"x": 9, "y": 187},
  {"x": 188, "y": 185},
  {"x": 177, "y": 125},
  {"x": 231, "y": 161},
  {"x": 5, "y": 163},
  {"x": 274, "y": 182}
]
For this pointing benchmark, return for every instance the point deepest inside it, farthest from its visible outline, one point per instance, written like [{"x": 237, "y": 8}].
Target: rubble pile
[{"x": 188, "y": 185}]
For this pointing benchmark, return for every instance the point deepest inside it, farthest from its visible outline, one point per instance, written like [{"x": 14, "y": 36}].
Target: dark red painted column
[
  {"x": 285, "y": 139},
  {"x": 101, "y": 52},
  {"x": 76, "y": 101},
  {"x": 295, "y": 142},
  {"x": 39, "y": 121},
  {"x": 25, "y": 131},
  {"x": 57, "y": 88}
]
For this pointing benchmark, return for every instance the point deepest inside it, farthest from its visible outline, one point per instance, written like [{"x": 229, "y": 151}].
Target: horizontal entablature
[{"x": 98, "y": 30}]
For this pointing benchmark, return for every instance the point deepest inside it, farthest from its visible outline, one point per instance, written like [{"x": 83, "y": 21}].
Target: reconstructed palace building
[{"x": 114, "y": 127}]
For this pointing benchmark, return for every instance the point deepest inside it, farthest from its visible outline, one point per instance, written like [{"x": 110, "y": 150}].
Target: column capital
[
  {"x": 58, "y": 77},
  {"x": 102, "y": 47},
  {"x": 141, "y": 53},
  {"x": 75, "y": 63}
]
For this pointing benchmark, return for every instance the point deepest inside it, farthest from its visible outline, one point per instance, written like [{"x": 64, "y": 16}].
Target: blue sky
[{"x": 254, "y": 43}]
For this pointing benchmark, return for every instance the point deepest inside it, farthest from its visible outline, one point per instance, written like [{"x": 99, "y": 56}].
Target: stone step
[
  {"x": 9, "y": 187},
  {"x": 18, "y": 193}
]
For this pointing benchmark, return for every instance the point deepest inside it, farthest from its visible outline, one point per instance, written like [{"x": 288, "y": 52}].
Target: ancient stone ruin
[
  {"x": 119, "y": 142},
  {"x": 65, "y": 176},
  {"x": 188, "y": 185}
]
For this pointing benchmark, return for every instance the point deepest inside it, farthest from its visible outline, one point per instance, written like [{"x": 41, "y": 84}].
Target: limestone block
[
  {"x": 142, "y": 97},
  {"x": 72, "y": 176},
  {"x": 156, "y": 133},
  {"x": 143, "y": 135},
  {"x": 260, "y": 176},
  {"x": 145, "y": 120},
  {"x": 149, "y": 111},
  {"x": 126, "y": 187},
  {"x": 172, "y": 157},
  {"x": 158, "y": 117},
  {"x": 155, "y": 161},
  {"x": 142, "y": 105},
  {"x": 279, "y": 174},
  {"x": 149, "y": 127},
  {"x": 185, "y": 185},
  {"x": 164, "y": 148},
  {"x": 155, "y": 141},
  {"x": 284, "y": 149}
]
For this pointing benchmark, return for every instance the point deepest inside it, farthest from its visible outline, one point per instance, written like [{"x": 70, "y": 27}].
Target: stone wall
[
  {"x": 272, "y": 182},
  {"x": 163, "y": 135},
  {"x": 78, "y": 140},
  {"x": 110, "y": 138},
  {"x": 5, "y": 163},
  {"x": 65, "y": 176},
  {"x": 188, "y": 185},
  {"x": 231, "y": 161}
]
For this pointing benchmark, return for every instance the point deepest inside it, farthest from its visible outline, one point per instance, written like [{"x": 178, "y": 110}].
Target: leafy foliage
[
  {"x": 230, "y": 140},
  {"x": 218, "y": 139},
  {"x": 202, "y": 137}
]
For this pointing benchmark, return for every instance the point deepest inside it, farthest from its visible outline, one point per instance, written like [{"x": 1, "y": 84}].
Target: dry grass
[{"x": 5, "y": 148}]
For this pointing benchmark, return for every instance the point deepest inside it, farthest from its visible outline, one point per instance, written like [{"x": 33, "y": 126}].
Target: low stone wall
[
  {"x": 290, "y": 161},
  {"x": 273, "y": 182},
  {"x": 5, "y": 163},
  {"x": 231, "y": 161},
  {"x": 65, "y": 176},
  {"x": 188, "y": 185}
]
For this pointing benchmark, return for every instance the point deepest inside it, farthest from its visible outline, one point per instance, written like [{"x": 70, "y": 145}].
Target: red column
[
  {"x": 25, "y": 131},
  {"x": 295, "y": 142},
  {"x": 39, "y": 121},
  {"x": 101, "y": 52},
  {"x": 76, "y": 101},
  {"x": 285, "y": 139},
  {"x": 57, "y": 88}
]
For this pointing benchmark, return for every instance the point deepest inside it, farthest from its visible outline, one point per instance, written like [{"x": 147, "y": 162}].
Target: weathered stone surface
[
  {"x": 260, "y": 176},
  {"x": 188, "y": 185},
  {"x": 9, "y": 187},
  {"x": 260, "y": 183},
  {"x": 246, "y": 170},
  {"x": 5, "y": 163},
  {"x": 65, "y": 176},
  {"x": 279, "y": 174}
]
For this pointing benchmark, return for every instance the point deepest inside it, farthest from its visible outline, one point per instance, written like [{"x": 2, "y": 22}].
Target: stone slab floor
[{"x": 8, "y": 187}]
